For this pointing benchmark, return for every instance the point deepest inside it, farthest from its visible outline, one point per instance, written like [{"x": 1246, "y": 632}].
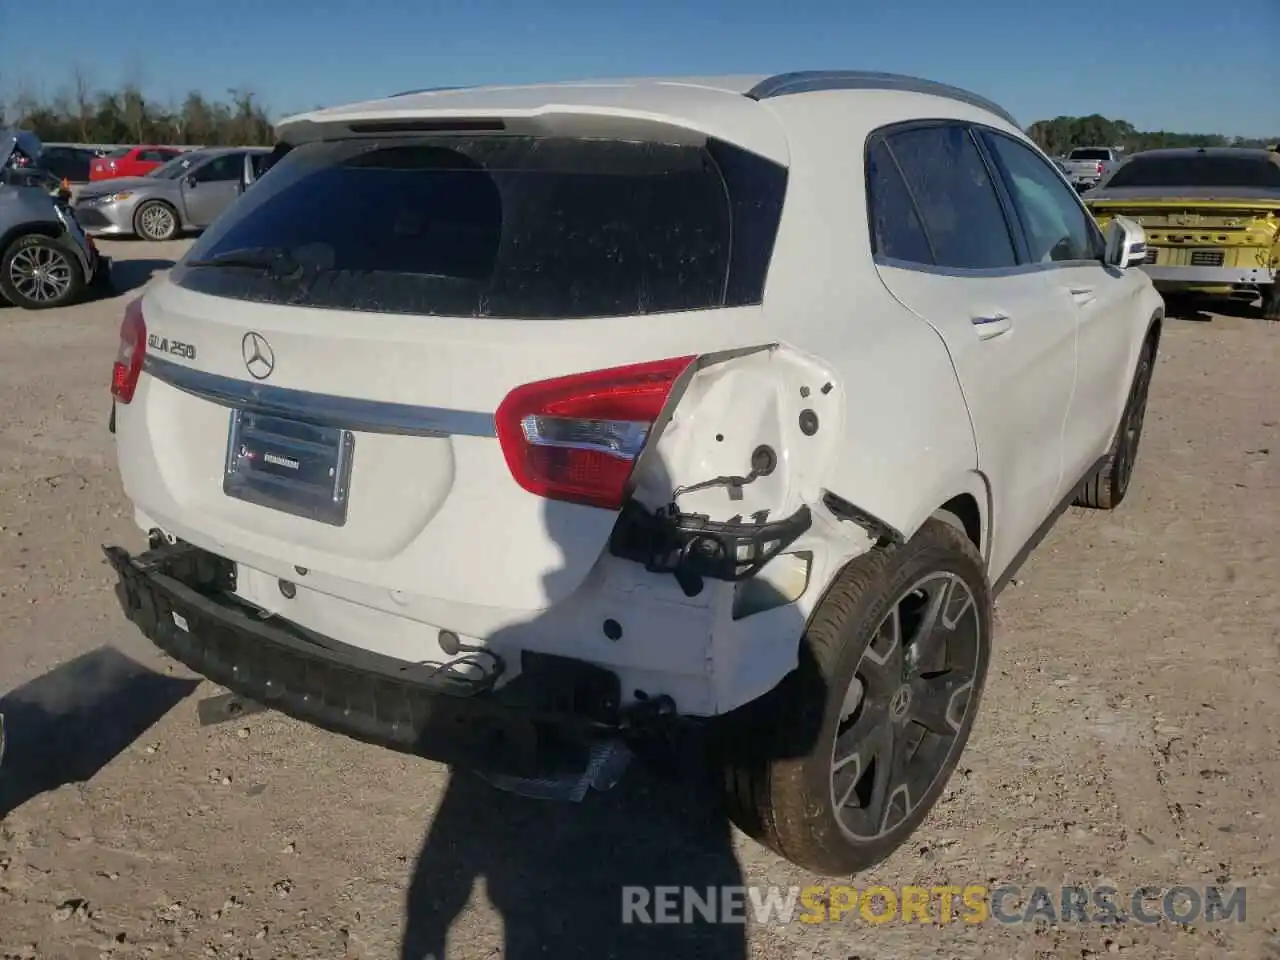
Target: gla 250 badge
[{"x": 174, "y": 347}]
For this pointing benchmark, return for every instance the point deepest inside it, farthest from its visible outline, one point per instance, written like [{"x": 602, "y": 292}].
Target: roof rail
[
  {"x": 807, "y": 81},
  {"x": 408, "y": 93}
]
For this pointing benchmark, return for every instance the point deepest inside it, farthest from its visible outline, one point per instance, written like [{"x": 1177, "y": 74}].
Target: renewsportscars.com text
[{"x": 975, "y": 903}]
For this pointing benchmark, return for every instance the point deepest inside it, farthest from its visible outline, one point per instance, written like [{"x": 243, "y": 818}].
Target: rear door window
[
  {"x": 501, "y": 226},
  {"x": 955, "y": 197},
  {"x": 226, "y": 166},
  {"x": 896, "y": 230}
]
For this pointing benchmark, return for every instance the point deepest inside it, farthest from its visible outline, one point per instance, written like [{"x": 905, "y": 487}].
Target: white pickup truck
[{"x": 1085, "y": 166}]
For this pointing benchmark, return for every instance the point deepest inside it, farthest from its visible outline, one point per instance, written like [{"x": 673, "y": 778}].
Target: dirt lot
[{"x": 1130, "y": 733}]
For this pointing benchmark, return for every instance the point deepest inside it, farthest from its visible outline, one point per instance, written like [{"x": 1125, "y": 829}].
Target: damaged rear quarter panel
[{"x": 894, "y": 440}]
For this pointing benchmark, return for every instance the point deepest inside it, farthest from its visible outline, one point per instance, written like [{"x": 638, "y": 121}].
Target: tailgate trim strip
[{"x": 328, "y": 410}]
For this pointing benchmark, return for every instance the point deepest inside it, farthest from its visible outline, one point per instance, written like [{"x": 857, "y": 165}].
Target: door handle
[
  {"x": 1082, "y": 294},
  {"x": 993, "y": 325}
]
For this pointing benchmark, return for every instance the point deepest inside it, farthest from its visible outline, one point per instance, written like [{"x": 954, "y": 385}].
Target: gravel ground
[{"x": 1129, "y": 733}]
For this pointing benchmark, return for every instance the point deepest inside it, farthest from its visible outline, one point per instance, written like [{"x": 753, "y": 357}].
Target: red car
[{"x": 130, "y": 162}]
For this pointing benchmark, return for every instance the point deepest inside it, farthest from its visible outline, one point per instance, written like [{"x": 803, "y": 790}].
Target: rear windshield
[
  {"x": 499, "y": 226},
  {"x": 1090, "y": 155},
  {"x": 1198, "y": 171}
]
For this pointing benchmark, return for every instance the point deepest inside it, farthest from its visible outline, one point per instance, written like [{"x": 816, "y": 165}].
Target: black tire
[
  {"x": 1107, "y": 488},
  {"x": 777, "y": 754},
  {"x": 156, "y": 220},
  {"x": 58, "y": 264},
  {"x": 1271, "y": 302}
]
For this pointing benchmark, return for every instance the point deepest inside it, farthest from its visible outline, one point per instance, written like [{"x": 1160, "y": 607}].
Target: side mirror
[{"x": 1126, "y": 243}]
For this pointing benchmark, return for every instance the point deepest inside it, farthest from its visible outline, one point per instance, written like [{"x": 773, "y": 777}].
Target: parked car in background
[
  {"x": 23, "y": 165},
  {"x": 69, "y": 163},
  {"x": 187, "y": 193},
  {"x": 1212, "y": 218},
  {"x": 443, "y": 440},
  {"x": 1085, "y": 166},
  {"x": 41, "y": 179},
  {"x": 130, "y": 162},
  {"x": 45, "y": 258}
]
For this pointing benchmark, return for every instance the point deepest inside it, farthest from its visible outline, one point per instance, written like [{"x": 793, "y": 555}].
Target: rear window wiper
[{"x": 274, "y": 261}]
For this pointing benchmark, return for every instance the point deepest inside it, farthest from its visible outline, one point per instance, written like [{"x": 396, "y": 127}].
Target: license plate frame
[{"x": 289, "y": 465}]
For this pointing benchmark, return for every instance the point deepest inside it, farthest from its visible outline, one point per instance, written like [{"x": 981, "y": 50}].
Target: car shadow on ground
[
  {"x": 1204, "y": 309},
  {"x": 65, "y": 726},
  {"x": 558, "y": 872},
  {"x": 130, "y": 275}
]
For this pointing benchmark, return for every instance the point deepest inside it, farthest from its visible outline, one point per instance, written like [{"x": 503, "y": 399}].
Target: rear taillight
[
  {"x": 133, "y": 349},
  {"x": 1099, "y": 170},
  {"x": 577, "y": 438}
]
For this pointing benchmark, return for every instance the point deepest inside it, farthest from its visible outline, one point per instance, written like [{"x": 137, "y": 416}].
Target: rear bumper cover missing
[{"x": 539, "y": 724}]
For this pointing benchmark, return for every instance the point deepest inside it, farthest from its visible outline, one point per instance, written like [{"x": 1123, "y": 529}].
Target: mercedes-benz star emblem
[{"x": 259, "y": 358}]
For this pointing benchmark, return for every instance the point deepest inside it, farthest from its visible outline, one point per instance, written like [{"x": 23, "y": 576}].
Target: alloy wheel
[
  {"x": 905, "y": 706},
  {"x": 42, "y": 274},
  {"x": 156, "y": 222}
]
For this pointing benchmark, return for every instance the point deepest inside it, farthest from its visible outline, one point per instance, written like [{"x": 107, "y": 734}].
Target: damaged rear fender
[{"x": 773, "y": 435}]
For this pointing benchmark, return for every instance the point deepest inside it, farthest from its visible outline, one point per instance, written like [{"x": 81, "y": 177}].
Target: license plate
[{"x": 289, "y": 465}]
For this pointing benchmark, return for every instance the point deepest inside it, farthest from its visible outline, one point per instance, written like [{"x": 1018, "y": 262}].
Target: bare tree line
[
  {"x": 1062, "y": 134},
  {"x": 82, "y": 112}
]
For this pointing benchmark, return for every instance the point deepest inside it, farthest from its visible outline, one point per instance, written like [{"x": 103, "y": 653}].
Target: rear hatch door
[{"x": 324, "y": 367}]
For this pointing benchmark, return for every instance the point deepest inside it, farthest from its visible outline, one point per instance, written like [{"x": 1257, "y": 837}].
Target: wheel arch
[
  {"x": 968, "y": 511},
  {"x": 50, "y": 229},
  {"x": 965, "y": 502},
  {"x": 1155, "y": 328}
]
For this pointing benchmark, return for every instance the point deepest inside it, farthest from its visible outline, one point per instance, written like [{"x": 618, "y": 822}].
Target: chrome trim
[
  {"x": 326, "y": 410},
  {"x": 809, "y": 81},
  {"x": 1208, "y": 275}
]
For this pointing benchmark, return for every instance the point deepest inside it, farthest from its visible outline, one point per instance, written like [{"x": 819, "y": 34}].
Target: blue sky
[{"x": 1187, "y": 65}]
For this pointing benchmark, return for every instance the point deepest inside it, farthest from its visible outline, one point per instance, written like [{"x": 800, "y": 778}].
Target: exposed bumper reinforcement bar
[
  {"x": 541, "y": 723},
  {"x": 1209, "y": 276}
]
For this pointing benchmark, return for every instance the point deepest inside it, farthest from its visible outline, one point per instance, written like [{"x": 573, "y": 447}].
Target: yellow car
[{"x": 1211, "y": 215}]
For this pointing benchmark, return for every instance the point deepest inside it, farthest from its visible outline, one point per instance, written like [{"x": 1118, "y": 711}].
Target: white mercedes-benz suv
[{"x": 495, "y": 423}]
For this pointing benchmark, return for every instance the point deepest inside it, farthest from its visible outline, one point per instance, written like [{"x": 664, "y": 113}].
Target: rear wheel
[
  {"x": 155, "y": 220},
  {"x": 39, "y": 273},
  {"x": 837, "y": 766},
  {"x": 1107, "y": 488}
]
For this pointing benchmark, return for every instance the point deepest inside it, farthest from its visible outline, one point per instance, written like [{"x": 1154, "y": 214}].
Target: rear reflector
[
  {"x": 577, "y": 438},
  {"x": 133, "y": 348}
]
